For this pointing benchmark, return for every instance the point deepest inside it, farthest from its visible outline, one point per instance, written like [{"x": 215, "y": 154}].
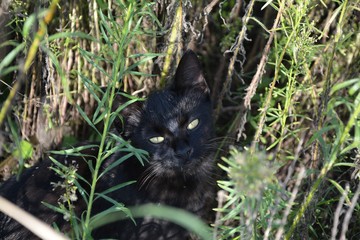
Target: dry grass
[{"x": 285, "y": 82}]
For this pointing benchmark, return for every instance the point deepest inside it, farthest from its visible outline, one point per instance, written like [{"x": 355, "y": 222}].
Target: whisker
[
  {"x": 148, "y": 176},
  {"x": 222, "y": 139},
  {"x": 145, "y": 176},
  {"x": 150, "y": 180}
]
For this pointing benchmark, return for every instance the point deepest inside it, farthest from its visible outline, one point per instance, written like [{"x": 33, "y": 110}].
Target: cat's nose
[{"x": 184, "y": 152}]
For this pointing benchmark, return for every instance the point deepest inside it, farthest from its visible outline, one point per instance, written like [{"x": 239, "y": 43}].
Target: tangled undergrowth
[{"x": 285, "y": 84}]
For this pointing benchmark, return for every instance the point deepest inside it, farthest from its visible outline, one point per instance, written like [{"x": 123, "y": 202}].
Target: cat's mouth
[{"x": 175, "y": 167}]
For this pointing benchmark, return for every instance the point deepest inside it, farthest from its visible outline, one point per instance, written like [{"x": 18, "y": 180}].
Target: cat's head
[{"x": 175, "y": 125}]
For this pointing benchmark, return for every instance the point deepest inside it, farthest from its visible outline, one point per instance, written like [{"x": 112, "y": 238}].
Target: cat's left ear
[{"x": 189, "y": 74}]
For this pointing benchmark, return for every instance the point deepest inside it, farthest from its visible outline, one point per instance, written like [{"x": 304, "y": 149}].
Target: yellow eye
[
  {"x": 158, "y": 139},
  {"x": 193, "y": 124}
]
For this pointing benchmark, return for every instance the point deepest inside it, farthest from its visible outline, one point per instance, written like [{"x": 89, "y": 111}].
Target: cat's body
[{"x": 175, "y": 127}]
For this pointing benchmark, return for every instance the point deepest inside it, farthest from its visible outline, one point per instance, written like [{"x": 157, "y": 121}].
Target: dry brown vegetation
[{"x": 285, "y": 83}]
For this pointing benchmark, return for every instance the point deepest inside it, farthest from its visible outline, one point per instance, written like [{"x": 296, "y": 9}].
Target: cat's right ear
[{"x": 189, "y": 74}]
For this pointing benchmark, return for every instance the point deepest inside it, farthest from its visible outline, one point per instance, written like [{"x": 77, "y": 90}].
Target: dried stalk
[
  {"x": 260, "y": 69},
  {"x": 174, "y": 37},
  {"x": 290, "y": 203},
  {"x": 38, "y": 227},
  {"x": 337, "y": 214},
  {"x": 259, "y": 72},
  {"x": 236, "y": 49},
  {"x": 272, "y": 86},
  {"x": 354, "y": 202}
]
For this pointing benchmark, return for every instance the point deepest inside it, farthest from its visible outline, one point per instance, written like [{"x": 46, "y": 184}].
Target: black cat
[{"x": 175, "y": 127}]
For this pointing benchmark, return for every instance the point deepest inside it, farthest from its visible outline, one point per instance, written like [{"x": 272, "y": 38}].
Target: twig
[
  {"x": 220, "y": 200},
  {"x": 293, "y": 194},
  {"x": 327, "y": 86},
  {"x": 296, "y": 157},
  {"x": 290, "y": 203},
  {"x": 334, "y": 229},
  {"x": 36, "y": 226},
  {"x": 207, "y": 10},
  {"x": 354, "y": 202},
  {"x": 269, "y": 95},
  {"x": 260, "y": 71}
]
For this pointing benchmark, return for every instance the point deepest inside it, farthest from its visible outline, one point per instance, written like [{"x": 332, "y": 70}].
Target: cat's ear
[{"x": 189, "y": 74}]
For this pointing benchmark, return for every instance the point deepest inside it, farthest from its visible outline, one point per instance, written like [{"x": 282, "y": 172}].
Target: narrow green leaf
[
  {"x": 62, "y": 35},
  {"x": 317, "y": 135},
  {"x": 344, "y": 84},
  {"x": 117, "y": 187},
  {"x": 28, "y": 25},
  {"x": 88, "y": 121},
  {"x": 177, "y": 216},
  {"x": 341, "y": 190},
  {"x": 9, "y": 58},
  {"x": 116, "y": 163}
]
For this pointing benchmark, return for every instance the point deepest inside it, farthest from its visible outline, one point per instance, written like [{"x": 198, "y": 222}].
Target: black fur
[{"x": 178, "y": 173}]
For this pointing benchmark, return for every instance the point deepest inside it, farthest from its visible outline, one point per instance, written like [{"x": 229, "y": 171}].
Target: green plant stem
[
  {"x": 118, "y": 70},
  {"x": 284, "y": 114},
  {"x": 98, "y": 164}
]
